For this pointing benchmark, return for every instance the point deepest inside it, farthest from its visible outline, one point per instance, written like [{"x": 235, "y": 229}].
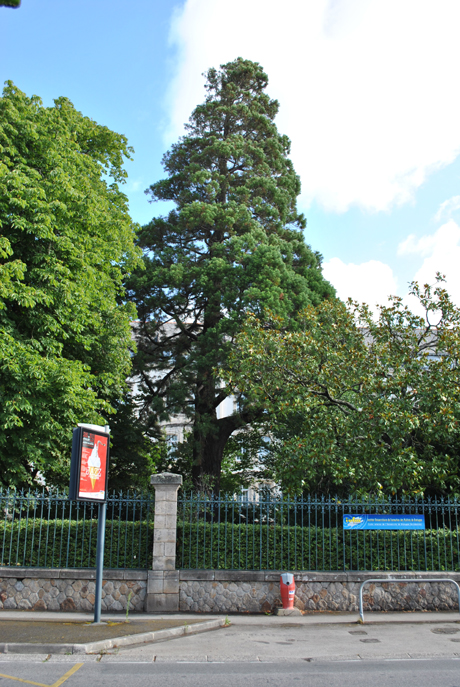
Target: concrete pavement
[
  {"x": 26, "y": 634},
  {"x": 260, "y": 638}
]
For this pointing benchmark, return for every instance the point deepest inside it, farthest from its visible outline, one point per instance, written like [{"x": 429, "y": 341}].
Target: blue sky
[{"x": 368, "y": 95}]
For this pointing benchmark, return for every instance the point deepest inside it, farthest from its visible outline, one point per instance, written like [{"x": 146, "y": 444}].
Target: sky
[{"x": 368, "y": 93}]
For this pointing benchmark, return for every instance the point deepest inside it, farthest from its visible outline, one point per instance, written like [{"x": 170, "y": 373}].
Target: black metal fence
[
  {"x": 42, "y": 529},
  {"x": 274, "y": 533}
]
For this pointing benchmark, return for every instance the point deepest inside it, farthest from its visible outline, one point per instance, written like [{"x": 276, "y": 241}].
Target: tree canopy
[
  {"x": 233, "y": 243},
  {"x": 66, "y": 244},
  {"x": 357, "y": 403}
]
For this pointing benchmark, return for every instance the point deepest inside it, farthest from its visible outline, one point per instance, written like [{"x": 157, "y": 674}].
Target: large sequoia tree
[{"x": 233, "y": 244}]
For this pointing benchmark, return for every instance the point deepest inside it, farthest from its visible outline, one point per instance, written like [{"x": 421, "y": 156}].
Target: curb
[{"x": 113, "y": 643}]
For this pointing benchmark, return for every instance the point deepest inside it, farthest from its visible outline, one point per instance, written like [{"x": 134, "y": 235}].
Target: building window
[{"x": 171, "y": 442}]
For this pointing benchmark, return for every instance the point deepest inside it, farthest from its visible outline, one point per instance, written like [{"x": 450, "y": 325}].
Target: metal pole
[{"x": 99, "y": 561}]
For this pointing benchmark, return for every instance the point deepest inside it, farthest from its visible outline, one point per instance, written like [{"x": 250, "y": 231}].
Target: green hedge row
[
  {"x": 68, "y": 544},
  {"x": 64, "y": 543},
  {"x": 262, "y": 547}
]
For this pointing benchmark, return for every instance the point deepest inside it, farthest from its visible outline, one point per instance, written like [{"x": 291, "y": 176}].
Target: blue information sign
[{"x": 363, "y": 521}]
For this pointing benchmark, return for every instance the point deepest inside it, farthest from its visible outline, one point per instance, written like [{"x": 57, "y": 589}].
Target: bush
[
  {"x": 70, "y": 544},
  {"x": 228, "y": 546}
]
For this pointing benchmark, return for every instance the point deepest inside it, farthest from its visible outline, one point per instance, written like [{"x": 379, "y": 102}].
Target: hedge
[
  {"x": 261, "y": 547},
  {"x": 68, "y": 544},
  {"x": 65, "y": 543}
]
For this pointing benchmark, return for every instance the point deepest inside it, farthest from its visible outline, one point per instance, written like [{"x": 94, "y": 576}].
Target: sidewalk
[
  {"x": 68, "y": 633},
  {"x": 311, "y": 618},
  {"x": 316, "y": 636}
]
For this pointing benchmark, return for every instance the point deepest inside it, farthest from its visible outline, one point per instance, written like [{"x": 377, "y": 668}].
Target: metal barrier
[
  {"x": 273, "y": 532},
  {"x": 400, "y": 580},
  {"x": 225, "y": 532},
  {"x": 46, "y": 530}
]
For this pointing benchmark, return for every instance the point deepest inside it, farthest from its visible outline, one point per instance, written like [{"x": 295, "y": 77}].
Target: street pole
[
  {"x": 100, "y": 555},
  {"x": 99, "y": 561}
]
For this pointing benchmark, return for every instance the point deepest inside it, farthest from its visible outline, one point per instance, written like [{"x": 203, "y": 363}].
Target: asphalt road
[{"x": 353, "y": 673}]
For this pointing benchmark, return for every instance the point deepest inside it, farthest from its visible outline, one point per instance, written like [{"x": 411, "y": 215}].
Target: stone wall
[
  {"x": 221, "y": 591},
  {"x": 71, "y": 590}
]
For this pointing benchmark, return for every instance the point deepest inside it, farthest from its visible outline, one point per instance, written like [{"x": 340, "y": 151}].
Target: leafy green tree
[
  {"x": 66, "y": 244},
  {"x": 233, "y": 243},
  {"x": 10, "y": 3},
  {"x": 243, "y": 462},
  {"x": 354, "y": 403},
  {"x": 134, "y": 456}
]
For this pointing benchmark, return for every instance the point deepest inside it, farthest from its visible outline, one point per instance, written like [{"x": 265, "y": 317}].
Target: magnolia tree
[{"x": 357, "y": 403}]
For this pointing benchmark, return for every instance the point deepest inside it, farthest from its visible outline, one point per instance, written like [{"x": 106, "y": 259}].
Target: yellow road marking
[
  {"x": 59, "y": 682},
  {"x": 29, "y": 682},
  {"x": 70, "y": 672}
]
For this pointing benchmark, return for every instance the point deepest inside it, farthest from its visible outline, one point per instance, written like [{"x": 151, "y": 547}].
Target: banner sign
[
  {"x": 89, "y": 465},
  {"x": 363, "y": 521}
]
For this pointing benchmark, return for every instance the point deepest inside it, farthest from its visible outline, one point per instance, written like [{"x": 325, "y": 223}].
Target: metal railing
[
  {"x": 44, "y": 529},
  {"x": 274, "y": 533},
  {"x": 402, "y": 580},
  {"x": 266, "y": 532}
]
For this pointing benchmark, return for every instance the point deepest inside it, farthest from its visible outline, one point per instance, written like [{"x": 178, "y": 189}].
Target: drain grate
[{"x": 357, "y": 632}]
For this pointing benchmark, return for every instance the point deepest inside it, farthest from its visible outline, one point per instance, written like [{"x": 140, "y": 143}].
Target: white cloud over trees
[
  {"x": 369, "y": 282},
  {"x": 440, "y": 252},
  {"x": 373, "y": 281}
]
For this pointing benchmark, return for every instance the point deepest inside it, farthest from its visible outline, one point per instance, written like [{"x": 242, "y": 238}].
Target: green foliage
[
  {"x": 234, "y": 243},
  {"x": 67, "y": 543},
  {"x": 358, "y": 404},
  {"x": 242, "y": 462},
  {"x": 10, "y": 3},
  {"x": 66, "y": 244},
  {"x": 227, "y": 546},
  {"x": 134, "y": 456}
]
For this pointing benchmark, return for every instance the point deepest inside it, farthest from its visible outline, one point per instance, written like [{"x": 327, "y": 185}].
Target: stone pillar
[{"x": 163, "y": 580}]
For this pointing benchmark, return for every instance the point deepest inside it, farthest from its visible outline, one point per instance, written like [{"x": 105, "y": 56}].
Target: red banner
[{"x": 93, "y": 466}]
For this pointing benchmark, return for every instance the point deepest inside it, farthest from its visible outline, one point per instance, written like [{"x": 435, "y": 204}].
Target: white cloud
[
  {"x": 369, "y": 282},
  {"x": 136, "y": 185},
  {"x": 365, "y": 87},
  {"x": 447, "y": 208},
  {"x": 441, "y": 253},
  {"x": 423, "y": 246},
  {"x": 373, "y": 282}
]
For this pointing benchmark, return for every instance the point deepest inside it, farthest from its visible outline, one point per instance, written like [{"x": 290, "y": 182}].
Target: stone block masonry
[
  {"x": 235, "y": 592},
  {"x": 163, "y": 580},
  {"x": 71, "y": 590},
  {"x": 218, "y": 591}
]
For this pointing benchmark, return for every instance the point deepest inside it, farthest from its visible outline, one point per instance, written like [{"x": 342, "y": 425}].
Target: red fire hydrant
[{"x": 287, "y": 588}]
